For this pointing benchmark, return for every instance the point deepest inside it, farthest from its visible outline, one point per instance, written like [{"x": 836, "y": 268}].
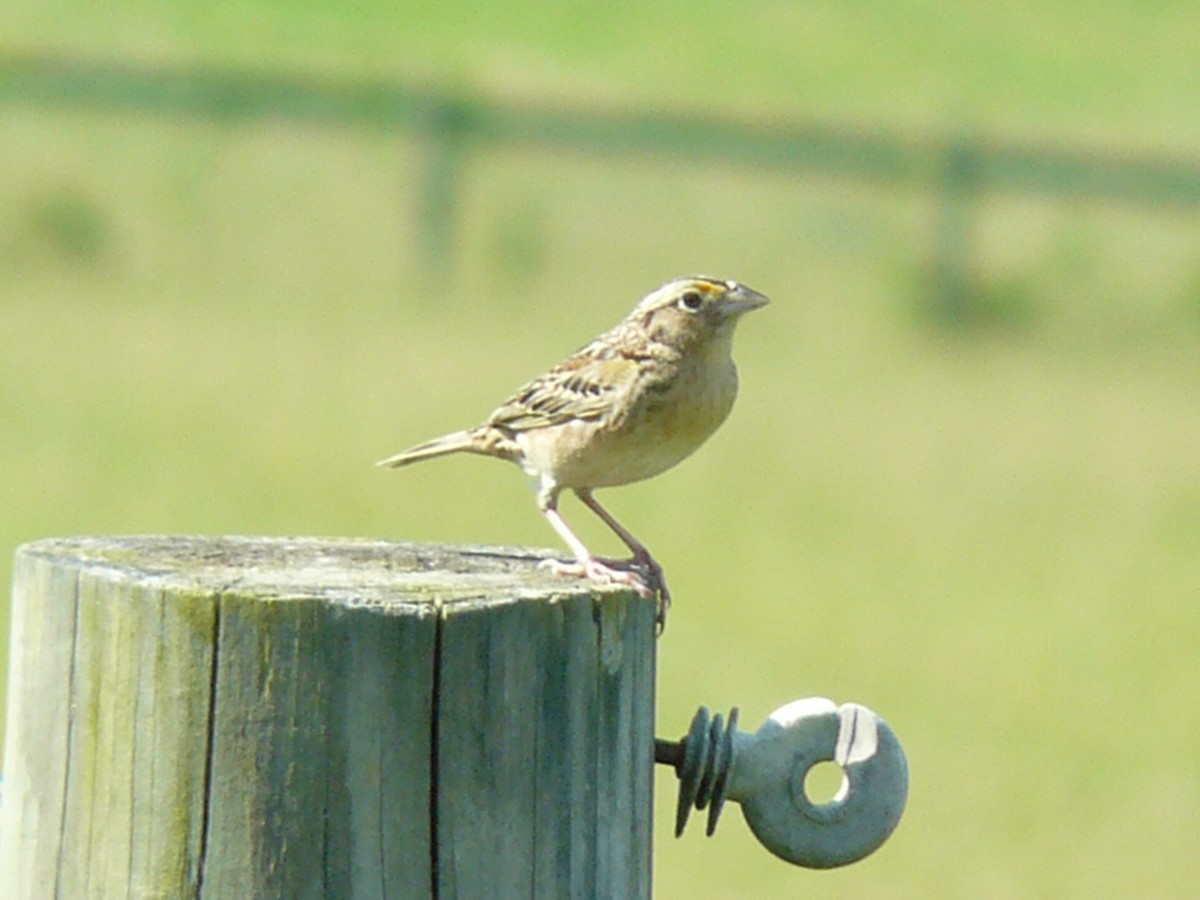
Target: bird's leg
[
  {"x": 641, "y": 556},
  {"x": 586, "y": 565}
]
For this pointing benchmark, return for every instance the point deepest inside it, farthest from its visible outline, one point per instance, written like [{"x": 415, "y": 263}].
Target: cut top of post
[{"x": 347, "y": 570}]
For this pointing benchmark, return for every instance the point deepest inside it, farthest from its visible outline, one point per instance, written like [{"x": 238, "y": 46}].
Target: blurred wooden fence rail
[
  {"x": 305, "y": 718},
  {"x": 958, "y": 167}
]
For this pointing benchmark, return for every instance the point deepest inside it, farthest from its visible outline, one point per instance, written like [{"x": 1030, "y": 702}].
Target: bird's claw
[
  {"x": 643, "y": 560},
  {"x": 642, "y": 573},
  {"x": 602, "y": 571}
]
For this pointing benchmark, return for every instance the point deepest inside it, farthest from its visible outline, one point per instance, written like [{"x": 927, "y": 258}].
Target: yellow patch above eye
[{"x": 705, "y": 287}]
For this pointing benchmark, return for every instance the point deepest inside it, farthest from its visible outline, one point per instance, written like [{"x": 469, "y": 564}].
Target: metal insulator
[{"x": 765, "y": 773}]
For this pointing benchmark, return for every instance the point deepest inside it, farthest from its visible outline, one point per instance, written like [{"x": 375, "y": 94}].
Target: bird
[{"x": 625, "y": 407}]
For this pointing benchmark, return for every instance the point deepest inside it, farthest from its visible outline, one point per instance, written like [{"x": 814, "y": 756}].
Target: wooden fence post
[
  {"x": 295, "y": 718},
  {"x": 446, "y": 128},
  {"x": 959, "y": 185}
]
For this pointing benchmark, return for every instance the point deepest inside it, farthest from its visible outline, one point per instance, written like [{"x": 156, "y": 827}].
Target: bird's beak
[{"x": 741, "y": 299}]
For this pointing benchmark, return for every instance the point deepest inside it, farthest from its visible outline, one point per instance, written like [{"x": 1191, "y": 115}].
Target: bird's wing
[{"x": 582, "y": 387}]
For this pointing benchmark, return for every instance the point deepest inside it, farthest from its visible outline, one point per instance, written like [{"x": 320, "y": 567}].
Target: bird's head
[{"x": 690, "y": 311}]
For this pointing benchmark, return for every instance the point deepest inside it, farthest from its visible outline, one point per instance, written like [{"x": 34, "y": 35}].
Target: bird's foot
[
  {"x": 642, "y": 559},
  {"x": 641, "y": 572},
  {"x": 603, "y": 571}
]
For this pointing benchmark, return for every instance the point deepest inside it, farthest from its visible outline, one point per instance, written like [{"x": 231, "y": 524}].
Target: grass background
[{"x": 990, "y": 536}]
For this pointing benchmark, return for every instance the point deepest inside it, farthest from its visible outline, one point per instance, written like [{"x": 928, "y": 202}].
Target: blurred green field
[{"x": 990, "y": 536}]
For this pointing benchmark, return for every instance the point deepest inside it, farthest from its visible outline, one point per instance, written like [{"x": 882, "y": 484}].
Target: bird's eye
[{"x": 691, "y": 300}]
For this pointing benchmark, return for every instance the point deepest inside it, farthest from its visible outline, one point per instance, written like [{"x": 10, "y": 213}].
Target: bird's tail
[{"x": 456, "y": 442}]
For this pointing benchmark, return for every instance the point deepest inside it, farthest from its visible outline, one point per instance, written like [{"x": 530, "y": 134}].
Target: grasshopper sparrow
[{"x": 629, "y": 405}]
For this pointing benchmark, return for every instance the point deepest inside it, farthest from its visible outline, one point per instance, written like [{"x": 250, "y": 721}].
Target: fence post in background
[
  {"x": 959, "y": 178},
  {"x": 267, "y": 717},
  {"x": 444, "y": 127}
]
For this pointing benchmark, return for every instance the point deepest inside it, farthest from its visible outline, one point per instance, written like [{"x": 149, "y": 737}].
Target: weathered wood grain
[{"x": 273, "y": 717}]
